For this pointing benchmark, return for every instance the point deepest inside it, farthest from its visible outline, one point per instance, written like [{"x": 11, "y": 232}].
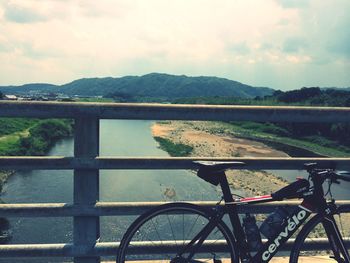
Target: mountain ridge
[{"x": 159, "y": 85}]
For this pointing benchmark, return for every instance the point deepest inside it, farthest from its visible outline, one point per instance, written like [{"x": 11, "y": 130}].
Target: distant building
[{"x": 10, "y": 97}]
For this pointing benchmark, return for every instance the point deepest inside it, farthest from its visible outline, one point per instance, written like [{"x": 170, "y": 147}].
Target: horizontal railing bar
[
  {"x": 125, "y": 208},
  {"x": 58, "y": 250},
  {"x": 174, "y": 112},
  {"x": 111, "y": 249},
  {"x": 68, "y": 163}
]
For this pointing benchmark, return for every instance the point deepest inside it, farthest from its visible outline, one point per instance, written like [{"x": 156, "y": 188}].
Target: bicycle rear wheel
[
  {"x": 163, "y": 233},
  {"x": 312, "y": 244}
]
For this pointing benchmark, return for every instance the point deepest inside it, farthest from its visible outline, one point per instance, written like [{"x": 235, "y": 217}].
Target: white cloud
[
  {"x": 259, "y": 43},
  {"x": 294, "y": 44},
  {"x": 293, "y": 3},
  {"x": 20, "y": 14}
]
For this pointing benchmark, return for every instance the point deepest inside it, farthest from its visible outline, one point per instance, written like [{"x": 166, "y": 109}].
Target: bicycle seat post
[
  {"x": 233, "y": 215},
  {"x": 225, "y": 187}
]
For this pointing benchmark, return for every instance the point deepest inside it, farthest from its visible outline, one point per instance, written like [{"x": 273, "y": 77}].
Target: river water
[{"x": 118, "y": 138}]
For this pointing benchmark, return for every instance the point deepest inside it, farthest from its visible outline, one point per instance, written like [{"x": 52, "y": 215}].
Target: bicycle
[{"x": 200, "y": 234}]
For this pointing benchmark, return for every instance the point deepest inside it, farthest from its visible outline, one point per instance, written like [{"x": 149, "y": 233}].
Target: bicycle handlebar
[
  {"x": 343, "y": 175},
  {"x": 327, "y": 173},
  {"x": 332, "y": 175}
]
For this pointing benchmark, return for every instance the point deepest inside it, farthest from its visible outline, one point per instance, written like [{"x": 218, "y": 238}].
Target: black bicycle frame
[
  {"x": 287, "y": 229},
  {"x": 296, "y": 218},
  {"x": 314, "y": 201},
  {"x": 335, "y": 238}
]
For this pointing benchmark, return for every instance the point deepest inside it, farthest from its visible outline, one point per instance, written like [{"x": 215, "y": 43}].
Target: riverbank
[
  {"x": 210, "y": 139},
  {"x": 34, "y": 140},
  {"x": 4, "y": 223},
  {"x": 4, "y": 175},
  {"x": 295, "y": 146},
  {"x": 204, "y": 142}
]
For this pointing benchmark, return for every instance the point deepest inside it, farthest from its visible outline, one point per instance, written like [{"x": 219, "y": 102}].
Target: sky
[{"x": 281, "y": 44}]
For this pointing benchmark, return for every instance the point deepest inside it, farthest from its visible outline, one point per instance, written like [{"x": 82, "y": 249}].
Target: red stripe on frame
[{"x": 255, "y": 198}]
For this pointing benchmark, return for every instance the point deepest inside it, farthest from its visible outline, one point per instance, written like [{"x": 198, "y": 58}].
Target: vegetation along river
[{"x": 118, "y": 138}]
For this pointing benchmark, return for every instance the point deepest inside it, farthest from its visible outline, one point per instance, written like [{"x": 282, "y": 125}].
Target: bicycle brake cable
[
  {"x": 219, "y": 202},
  {"x": 239, "y": 196},
  {"x": 329, "y": 192}
]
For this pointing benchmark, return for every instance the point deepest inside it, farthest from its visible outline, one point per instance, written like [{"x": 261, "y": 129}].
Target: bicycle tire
[
  {"x": 165, "y": 222},
  {"x": 313, "y": 230}
]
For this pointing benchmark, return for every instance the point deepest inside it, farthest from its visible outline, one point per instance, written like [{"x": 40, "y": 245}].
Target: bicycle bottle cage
[{"x": 293, "y": 190}]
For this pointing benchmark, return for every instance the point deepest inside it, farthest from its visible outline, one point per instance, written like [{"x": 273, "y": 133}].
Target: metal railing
[{"x": 86, "y": 163}]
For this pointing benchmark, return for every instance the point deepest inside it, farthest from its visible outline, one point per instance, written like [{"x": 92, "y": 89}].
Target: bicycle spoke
[
  {"x": 311, "y": 236},
  {"x": 172, "y": 230},
  {"x": 155, "y": 228},
  {"x": 183, "y": 229},
  {"x": 163, "y": 230},
  {"x": 194, "y": 223},
  {"x": 144, "y": 237},
  {"x": 216, "y": 240}
]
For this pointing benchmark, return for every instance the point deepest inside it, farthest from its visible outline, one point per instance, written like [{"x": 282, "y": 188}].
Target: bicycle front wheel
[
  {"x": 165, "y": 232},
  {"x": 312, "y": 244}
]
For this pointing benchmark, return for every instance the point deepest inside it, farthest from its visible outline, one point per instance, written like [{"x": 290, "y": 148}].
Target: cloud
[
  {"x": 111, "y": 8},
  {"x": 61, "y": 40},
  {"x": 19, "y": 14},
  {"x": 267, "y": 46},
  {"x": 239, "y": 48},
  {"x": 5, "y": 46},
  {"x": 341, "y": 48},
  {"x": 283, "y": 22},
  {"x": 338, "y": 42},
  {"x": 294, "y": 44},
  {"x": 293, "y": 3}
]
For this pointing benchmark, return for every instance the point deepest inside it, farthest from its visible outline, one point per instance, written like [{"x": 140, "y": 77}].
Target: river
[{"x": 118, "y": 138}]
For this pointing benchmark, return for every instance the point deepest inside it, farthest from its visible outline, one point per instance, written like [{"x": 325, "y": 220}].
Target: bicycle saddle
[
  {"x": 212, "y": 166},
  {"x": 209, "y": 170}
]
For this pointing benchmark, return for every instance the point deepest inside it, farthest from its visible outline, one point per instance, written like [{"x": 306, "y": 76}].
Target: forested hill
[
  {"x": 154, "y": 85},
  {"x": 313, "y": 96},
  {"x": 26, "y": 88}
]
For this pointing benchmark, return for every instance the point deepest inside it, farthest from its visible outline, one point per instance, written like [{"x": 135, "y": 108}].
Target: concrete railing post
[{"x": 86, "y": 230}]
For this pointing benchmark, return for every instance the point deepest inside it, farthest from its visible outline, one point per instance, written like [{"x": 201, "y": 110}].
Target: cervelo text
[{"x": 293, "y": 223}]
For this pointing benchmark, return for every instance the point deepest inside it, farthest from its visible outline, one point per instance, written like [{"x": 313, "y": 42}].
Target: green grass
[
  {"x": 37, "y": 140},
  {"x": 260, "y": 132},
  {"x": 95, "y": 100},
  {"x": 263, "y": 128},
  {"x": 9, "y": 145},
  {"x": 43, "y": 135},
  {"x": 12, "y": 125},
  {"x": 174, "y": 149}
]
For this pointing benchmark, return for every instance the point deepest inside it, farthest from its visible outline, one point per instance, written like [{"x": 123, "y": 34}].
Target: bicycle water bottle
[
  {"x": 252, "y": 232},
  {"x": 273, "y": 222}
]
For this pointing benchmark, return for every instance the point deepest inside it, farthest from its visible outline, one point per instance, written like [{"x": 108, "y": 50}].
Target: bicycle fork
[{"x": 335, "y": 239}]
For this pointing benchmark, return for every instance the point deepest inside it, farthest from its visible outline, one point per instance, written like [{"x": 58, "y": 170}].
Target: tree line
[{"x": 335, "y": 135}]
